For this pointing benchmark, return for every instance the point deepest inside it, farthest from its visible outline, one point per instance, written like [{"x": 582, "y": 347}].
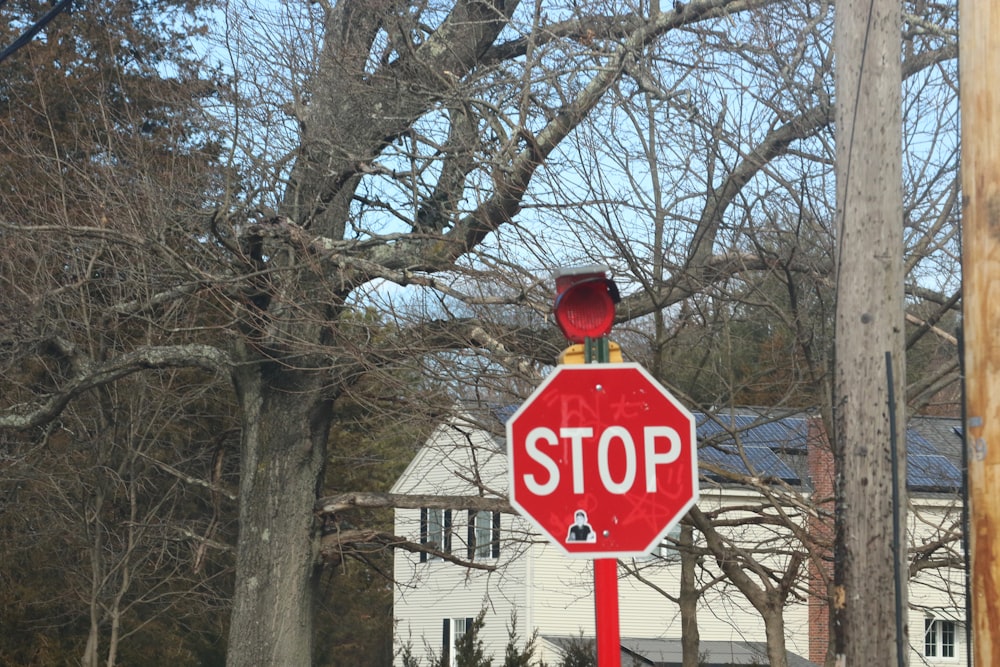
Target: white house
[{"x": 552, "y": 594}]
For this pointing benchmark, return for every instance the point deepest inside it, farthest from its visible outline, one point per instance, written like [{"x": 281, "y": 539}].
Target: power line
[{"x": 35, "y": 28}]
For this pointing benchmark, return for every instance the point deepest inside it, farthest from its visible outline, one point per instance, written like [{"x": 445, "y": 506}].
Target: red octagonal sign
[{"x": 603, "y": 460}]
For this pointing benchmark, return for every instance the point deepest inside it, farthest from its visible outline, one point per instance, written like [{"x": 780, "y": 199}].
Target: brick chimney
[{"x": 821, "y": 473}]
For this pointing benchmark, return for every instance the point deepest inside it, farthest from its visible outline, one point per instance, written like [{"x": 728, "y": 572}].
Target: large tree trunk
[
  {"x": 774, "y": 631},
  {"x": 688, "y": 600},
  {"x": 867, "y": 409},
  {"x": 286, "y": 422}
]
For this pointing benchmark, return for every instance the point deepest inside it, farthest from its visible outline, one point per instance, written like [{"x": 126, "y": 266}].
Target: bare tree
[{"x": 400, "y": 179}]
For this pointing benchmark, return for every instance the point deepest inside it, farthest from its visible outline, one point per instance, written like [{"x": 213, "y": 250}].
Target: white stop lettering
[{"x": 613, "y": 439}]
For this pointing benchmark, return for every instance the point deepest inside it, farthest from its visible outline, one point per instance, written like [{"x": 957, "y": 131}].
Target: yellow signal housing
[{"x": 574, "y": 354}]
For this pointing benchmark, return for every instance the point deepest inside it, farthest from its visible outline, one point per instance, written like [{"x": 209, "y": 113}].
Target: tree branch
[
  {"x": 376, "y": 500},
  {"x": 335, "y": 546},
  {"x": 92, "y": 376}
]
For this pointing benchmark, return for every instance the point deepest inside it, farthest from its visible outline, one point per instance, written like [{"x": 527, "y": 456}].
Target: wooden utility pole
[
  {"x": 979, "y": 69},
  {"x": 868, "y": 411}
]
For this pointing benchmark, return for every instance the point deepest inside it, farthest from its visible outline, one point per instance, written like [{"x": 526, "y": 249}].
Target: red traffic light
[{"x": 585, "y": 302}]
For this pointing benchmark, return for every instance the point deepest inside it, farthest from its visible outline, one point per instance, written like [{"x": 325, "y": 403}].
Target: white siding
[
  {"x": 554, "y": 594},
  {"x": 565, "y": 605},
  {"x": 429, "y": 592},
  {"x": 938, "y": 592}
]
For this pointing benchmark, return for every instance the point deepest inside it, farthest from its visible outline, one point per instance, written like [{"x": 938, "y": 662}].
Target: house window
[
  {"x": 435, "y": 531},
  {"x": 939, "y": 638},
  {"x": 484, "y": 535},
  {"x": 454, "y": 629},
  {"x": 667, "y": 548}
]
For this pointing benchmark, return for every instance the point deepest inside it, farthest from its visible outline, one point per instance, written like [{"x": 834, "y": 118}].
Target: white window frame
[
  {"x": 667, "y": 548},
  {"x": 484, "y": 535},
  {"x": 940, "y": 638},
  {"x": 435, "y": 531},
  {"x": 454, "y": 629}
]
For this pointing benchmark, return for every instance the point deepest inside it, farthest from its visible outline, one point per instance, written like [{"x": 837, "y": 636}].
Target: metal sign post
[{"x": 607, "y": 617}]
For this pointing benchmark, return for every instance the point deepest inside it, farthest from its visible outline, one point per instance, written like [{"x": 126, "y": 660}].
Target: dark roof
[
  {"x": 934, "y": 454},
  {"x": 785, "y": 433},
  {"x": 667, "y": 652},
  {"x": 754, "y": 461},
  {"x": 944, "y": 434},
  {"x": 752, "y": 443}
]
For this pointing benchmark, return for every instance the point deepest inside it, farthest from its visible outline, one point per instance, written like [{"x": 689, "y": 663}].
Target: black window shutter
[
  {"x": 446, "y": 643},
  {"x": 447, "y": 531},
  {"x": 495, "y": 544},
  {"x": 423, "y": 533},
  {"x": 471, "y": 541}
]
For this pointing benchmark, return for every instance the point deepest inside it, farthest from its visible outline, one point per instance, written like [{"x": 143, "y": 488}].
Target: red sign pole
[
  {"x": 565, "y": 409},
  {"x": 609, "y": 653}
]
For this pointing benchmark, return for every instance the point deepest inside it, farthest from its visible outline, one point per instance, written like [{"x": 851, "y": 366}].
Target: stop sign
[{"x": 603, "y": 460}]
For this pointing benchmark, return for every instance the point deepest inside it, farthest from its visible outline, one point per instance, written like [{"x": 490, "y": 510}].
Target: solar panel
[
  {"x": 918, "y": 444},
  {"x": 762, "y": 462},
  {"x": 788, "y": 434},
  {"x": 932, "y": 472}
]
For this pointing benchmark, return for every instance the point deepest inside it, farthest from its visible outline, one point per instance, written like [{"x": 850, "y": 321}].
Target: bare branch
[
  {"x": 206, "y": 357},
  {"x": 335, "y": 546},
  {"x": 375, "y": 500},
  {"x": 195, "y": 481}
]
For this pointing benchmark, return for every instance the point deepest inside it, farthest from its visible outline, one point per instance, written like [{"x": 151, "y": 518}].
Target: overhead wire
[{"x": 35, "y": 28}]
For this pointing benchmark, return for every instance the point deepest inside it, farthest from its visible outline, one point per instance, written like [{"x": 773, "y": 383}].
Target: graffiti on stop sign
[{"x": 603, "y": 459}]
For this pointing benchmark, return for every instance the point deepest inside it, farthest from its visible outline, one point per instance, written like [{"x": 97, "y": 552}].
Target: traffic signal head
[{"x": 585, "y": 302}]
